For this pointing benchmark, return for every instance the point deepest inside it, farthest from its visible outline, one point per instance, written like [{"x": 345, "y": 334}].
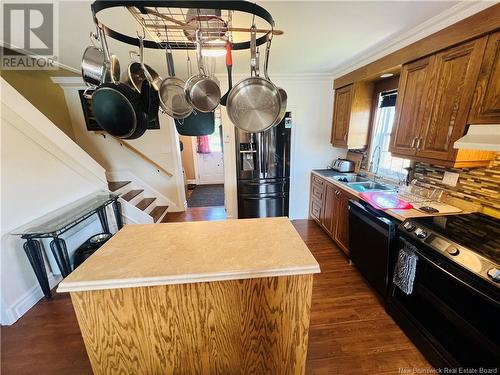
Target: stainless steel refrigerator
[{"x": 263, "y": 164}]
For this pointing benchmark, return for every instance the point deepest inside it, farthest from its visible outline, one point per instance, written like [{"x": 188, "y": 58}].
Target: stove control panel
[
  {"x": 420, "y": 233},
  {"x": 409, "y": 226},
  {"x": 494, "y": 274},
  {"x": 467, "y": 258}
]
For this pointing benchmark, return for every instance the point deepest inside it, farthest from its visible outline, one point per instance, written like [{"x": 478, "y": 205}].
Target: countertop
[
  {"x": 397, "y": 214},
  {"x": 190, "y": 252}
]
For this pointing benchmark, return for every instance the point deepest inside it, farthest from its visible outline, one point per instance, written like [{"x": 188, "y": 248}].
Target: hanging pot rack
[{"x": 167, "y": 22}]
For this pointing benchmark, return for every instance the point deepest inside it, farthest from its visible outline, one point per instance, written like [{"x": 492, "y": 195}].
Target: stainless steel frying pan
[{"x": 254, "y": 104}]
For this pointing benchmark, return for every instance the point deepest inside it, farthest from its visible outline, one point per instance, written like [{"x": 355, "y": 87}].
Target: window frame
[{"x": 384, "y": 85}]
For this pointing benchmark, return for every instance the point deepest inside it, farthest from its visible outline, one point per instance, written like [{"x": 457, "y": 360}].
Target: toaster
[{"x": 343, "y": 165}]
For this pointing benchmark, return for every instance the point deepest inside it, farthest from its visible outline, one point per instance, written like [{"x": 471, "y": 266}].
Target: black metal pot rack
[{"x": 164, "y": 16}]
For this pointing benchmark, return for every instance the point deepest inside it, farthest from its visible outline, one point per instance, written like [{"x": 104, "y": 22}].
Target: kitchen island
[{"x": 199, "y": 297}]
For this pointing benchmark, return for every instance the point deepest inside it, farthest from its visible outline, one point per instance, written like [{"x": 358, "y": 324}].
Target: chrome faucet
[{"x": 375, "y": 173}]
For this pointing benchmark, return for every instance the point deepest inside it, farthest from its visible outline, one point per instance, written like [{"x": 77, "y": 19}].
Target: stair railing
[{"x": 131, "y": 148}]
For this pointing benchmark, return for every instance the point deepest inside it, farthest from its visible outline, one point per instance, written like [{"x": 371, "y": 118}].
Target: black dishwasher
[{"x": 372, "y": 244}]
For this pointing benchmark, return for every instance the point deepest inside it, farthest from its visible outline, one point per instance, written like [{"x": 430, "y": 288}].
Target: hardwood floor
[
  {"x": 196, "y": 214},
  {"x": 350, "y": 332}
]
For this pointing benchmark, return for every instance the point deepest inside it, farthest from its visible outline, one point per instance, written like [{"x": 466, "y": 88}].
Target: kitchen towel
[{"x": 406, "y": 267}]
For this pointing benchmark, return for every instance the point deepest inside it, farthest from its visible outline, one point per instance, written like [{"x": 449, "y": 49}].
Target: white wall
[
  {"x": 41, "y": 170},
  {"x": 160, "y": 145},
  {"x": 310, "y": 99}
]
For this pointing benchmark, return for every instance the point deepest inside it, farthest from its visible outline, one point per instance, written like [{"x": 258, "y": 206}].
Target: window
[{"x": 388, "y": 166}]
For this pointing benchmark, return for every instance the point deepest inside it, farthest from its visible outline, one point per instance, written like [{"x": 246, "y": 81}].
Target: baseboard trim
[{"x": 27, "y": 301}]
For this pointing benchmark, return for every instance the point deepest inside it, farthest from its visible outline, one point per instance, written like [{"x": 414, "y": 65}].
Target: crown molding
[{"x": 442, "y": 20}]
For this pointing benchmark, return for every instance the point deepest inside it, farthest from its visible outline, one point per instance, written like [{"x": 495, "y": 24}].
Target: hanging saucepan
[
  {"x": 283, "y": 94},
  {"x": 202, "y": 92},
  {"x": 136, "y": 74},
  {"x": 118, "y": 108},
  {"x": 94, "y": 69},
  {"x": 254, "y": 104},
  {"x": 172, "y": 97},
  {"x": 148, "y": 92}
]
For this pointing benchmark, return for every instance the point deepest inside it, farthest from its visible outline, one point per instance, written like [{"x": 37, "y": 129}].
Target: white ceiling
[{"x": 320, "y": 36}]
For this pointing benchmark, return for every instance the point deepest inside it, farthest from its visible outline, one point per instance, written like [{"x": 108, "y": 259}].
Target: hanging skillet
[
  {"x": 202, "y": 92},
  {"x": 118, "y": 108},
  {"x": 149, "y": 94},
  {"x": 254, "y": 104}
]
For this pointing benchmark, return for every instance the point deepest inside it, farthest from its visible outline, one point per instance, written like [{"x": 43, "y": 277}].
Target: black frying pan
[{"x": 118, "y": 109}]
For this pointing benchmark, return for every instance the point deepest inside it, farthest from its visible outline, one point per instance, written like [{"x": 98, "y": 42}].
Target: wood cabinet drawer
[
  {"x": 315, "y": 209},
  {"x": 317, "y": 191},
  {"x": 318, "y": 180}
]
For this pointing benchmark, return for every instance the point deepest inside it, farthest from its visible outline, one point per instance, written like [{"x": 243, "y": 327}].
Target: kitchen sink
[
  {"x": 350, "y": 178},
  {"x": 369, "y": 186}
]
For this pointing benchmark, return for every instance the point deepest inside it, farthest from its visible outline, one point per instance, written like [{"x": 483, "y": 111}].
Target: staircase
[{"x": 135, "y": 197}]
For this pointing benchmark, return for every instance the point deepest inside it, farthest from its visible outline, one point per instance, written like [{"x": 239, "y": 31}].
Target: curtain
[{"x": 203, "y": 144}]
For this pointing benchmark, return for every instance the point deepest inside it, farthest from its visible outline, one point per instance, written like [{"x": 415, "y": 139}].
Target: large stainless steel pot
[
  {"x": 254, "y": 104},
  {"x": 202, "y": 92},
  {"x": 95, "y": 68}
]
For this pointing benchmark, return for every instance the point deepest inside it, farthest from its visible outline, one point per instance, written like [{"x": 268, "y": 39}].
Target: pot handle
[
  {"x": 266, "y": 58},
  {"x": 86, "y": 95},
  {"x": 141, "y": 54},
  {"x": 170, "y": 62},
  {"x": 254, "y": 62},
  {"x": 199, "y": 56}
]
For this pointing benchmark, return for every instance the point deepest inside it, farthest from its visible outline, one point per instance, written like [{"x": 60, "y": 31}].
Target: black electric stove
[
  {"x": 452, "y": 312},
  {"x": 470, "y": 240}
]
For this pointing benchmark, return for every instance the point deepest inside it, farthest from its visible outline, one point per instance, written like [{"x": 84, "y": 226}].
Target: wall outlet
[{"x": 450, "y": 178}]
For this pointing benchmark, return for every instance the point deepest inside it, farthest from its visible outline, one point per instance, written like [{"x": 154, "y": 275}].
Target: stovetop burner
[{"x": 477, "y": 232}]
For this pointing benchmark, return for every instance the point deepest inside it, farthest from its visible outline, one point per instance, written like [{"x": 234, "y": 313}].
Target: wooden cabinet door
[
  {"x": 341, "y": 234},
  {"x": 328, "y": 214},
  {"x": 341, "y": 115},
  {"x": 410, "y": 112},
  {"x": 453, "y": 79},
  {"x": 486, "y": 101},
  {"x": 316, "y": 208}
]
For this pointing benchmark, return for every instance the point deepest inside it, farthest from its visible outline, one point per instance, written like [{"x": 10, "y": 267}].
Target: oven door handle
[{"x": 447, "y": 273}]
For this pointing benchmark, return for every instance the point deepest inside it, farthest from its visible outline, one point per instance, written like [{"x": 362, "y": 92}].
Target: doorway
[{"x": 203, "y": 165}]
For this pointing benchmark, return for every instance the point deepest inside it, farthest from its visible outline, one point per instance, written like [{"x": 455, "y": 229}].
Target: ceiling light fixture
[{"x": 386, "y": 75}]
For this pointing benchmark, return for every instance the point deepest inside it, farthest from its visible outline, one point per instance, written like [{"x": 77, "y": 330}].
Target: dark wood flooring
[
  {"x": 196, "y": 214},
  {"x": 350, "y": 332}
]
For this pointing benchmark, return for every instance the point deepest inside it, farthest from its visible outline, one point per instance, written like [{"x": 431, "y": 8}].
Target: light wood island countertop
[{"x": 191, "y": 252}]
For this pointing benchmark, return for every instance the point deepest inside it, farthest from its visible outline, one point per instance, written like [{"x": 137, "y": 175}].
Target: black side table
[{"x": 54, "y": 224}]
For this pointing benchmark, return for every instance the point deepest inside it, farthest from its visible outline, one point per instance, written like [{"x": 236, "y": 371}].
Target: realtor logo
[{"x": 29, "y": 36}]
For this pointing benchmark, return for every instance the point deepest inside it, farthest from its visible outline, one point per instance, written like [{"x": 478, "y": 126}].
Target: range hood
[{"x": 480, "y": 137}]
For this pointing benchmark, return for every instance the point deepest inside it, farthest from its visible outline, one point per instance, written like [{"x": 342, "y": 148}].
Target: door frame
[{"x": 194, "y": 150}]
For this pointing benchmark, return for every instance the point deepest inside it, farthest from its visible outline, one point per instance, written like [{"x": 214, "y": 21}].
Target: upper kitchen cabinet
[
  {"x": 410, "y": 112},
  {"x": 351, "y": 115},
  {"x": 486, "y": 101},
  {"x": 454, "y": 76},
  {"x": 434, "y": 98}
]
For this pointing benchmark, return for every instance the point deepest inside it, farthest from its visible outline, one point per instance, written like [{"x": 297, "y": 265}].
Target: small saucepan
[
  {"x": 95, "y": 69},
  {"x": 202, "y": 92}
]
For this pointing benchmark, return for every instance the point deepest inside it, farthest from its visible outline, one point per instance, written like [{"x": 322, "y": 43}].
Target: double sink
[{"x": 354, "y": 181}]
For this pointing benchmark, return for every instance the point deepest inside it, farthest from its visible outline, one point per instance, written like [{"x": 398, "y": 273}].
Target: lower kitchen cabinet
[{"x": 329, "y": 207}]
